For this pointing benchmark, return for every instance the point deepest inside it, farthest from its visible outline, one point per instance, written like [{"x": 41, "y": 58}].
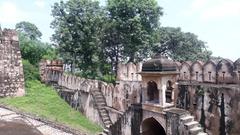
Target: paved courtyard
[{"x": 12, "y": 123}]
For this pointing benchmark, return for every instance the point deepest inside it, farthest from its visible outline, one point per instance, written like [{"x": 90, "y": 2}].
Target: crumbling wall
[
  {"x": 216, "y": 107},
  {"x": 11, "y": 69},
  {"x": 129, "y": 123}
]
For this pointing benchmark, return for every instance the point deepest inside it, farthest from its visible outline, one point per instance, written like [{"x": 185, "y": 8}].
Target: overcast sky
[{"x": 216, "y": 22}]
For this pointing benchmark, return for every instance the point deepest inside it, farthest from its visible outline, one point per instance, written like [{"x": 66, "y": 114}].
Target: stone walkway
[{"x": 12, "y": 119}]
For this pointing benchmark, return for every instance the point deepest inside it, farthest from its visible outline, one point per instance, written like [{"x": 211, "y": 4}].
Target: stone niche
[{"x": 11, "y": 69}]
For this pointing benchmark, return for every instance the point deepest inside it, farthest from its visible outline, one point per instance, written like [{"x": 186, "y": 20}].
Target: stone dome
[{"x": 159, "y": 64}]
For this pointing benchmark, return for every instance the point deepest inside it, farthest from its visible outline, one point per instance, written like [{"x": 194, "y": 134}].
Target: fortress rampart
[{"x": 11, "y": 69}]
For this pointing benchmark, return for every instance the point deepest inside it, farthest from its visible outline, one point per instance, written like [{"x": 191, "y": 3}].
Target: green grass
[{"x": 43, "y": 101}]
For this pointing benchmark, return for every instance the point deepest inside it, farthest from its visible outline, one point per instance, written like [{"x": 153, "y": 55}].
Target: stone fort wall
[
  {"x": 77, "y": 91},
  {"x": 210, "y": 91},
  {"x": 222, "y": 71},
  {"x": 11, "y": 69}
]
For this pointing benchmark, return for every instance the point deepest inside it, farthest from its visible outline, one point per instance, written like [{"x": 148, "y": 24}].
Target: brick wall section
[{"x": 11, "y": 69}]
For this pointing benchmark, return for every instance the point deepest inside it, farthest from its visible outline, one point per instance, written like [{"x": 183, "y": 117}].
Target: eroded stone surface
[{"x": 11, "y": 69}]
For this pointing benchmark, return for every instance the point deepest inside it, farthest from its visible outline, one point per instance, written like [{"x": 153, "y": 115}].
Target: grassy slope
[{"x": 43, "y": 101}]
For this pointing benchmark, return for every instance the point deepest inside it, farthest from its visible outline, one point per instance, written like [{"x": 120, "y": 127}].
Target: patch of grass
[{"x": 43, "y": 101}]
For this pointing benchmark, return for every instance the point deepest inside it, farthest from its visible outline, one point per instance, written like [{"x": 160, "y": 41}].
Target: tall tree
[
  {"x": 179, "y": 45},
  {"x": 32, "y": 49},
  {"x": 29, "y": 30},
  {"x": 134, "y": 22},
  {"x": 77, "y": 25}
]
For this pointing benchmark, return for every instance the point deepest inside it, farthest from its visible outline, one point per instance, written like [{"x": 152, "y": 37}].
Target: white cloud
[
  {"x": 198, "y": 4},
  {"x": 9, "y": 13},
  {"x": 226, "y": 8},
  {"x": 40, "y": 3},
  {"x": 213, "y": 9}
]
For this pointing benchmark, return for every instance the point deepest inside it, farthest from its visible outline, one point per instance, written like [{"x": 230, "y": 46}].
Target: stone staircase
[
  {"x": 100, "y": 103},
  {"x": 191, "y": 126}
]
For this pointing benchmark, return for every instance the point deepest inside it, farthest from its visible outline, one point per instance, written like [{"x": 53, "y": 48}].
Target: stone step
[
  {"x": 191, "y": 124},
  {"x": 104, "y": 114},
  {"x": 96, "y": 91},
  {"x": 108, "y": 122},
  {"x": 98, "y": 95},
  {"x": 102, "y": 110},
  {"x": 105, "y": 131},
  {"x": 106, "y": 119},
  {"x": 195, "y": 130},
  {"x": 100, "y": 99},
  {"x": 202, "y": 133},
  {"x": 187, "y": 119}
]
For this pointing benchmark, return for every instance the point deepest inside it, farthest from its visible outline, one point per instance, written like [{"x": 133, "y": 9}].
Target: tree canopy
[
  {"x": 77, "y": 25},
  {"x": 181, "y": 46},
  {"x": 32, "y": 49},
  {"x": 29, "y": 30},
  {"x": 135, "y": 22},
  {"x": 95, "y": 39}
]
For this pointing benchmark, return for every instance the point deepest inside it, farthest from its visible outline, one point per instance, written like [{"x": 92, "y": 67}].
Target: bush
[{"x": 30, "y": 71}]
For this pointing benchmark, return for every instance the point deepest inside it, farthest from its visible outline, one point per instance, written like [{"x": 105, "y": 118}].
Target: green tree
[
  {"x": 135, "y": 22},
  {"x": 179, "y": 45},
  {"x": 77, "y": 25},
  {"x": 32, "y": 49},
  {"x": 29, "y": 30}
]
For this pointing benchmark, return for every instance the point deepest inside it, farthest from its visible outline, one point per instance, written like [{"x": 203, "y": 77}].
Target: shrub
[{"x": 30, "y": 71}]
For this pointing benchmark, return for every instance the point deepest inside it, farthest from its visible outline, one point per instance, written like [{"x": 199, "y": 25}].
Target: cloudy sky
[{"x": 216, "y": 22}]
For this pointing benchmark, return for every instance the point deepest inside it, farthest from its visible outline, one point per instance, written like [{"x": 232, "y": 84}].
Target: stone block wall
[{"x": 11, "y": 68}]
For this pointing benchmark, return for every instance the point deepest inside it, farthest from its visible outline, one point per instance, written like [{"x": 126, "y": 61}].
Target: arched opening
[
  {"x": 169, "y": 92},
  {"x": 152, "y": 92},
  {"x": 151, "y": 126}
]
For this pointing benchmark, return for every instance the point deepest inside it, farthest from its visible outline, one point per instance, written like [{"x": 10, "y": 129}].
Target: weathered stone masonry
[
  {"x": 209, "y": 91},
  {"x": 11, "y": 69}
]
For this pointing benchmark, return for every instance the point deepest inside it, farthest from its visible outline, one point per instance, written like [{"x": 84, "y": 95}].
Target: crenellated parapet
[
  {"x": 213, "y": 71},
  {"x": 11, "y": 68},
  {"x": 118, "y": 96},
  {"x": 46, "y": 66}
]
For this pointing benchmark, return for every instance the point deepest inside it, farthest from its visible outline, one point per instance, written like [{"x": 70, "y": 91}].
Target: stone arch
[
  {"x": 169, "y": 91},
  {"x": 196, "y": 71},
  {"x": 209, "y": 71},
  {"x": 126, "y": 90},
  {"x": 237, "y": 71},
  {"x": 179, "y": 66},
  {"x": 185, "y": 71},
  {"x": 151, "y": 126},
  {"x": 152, "y": 92},
  {"x": 225, "y": 71}
]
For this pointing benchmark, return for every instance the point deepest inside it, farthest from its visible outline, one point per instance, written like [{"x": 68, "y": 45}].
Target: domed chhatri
[
  {"x": 158, "y": 82},
  {"x": 159, "y": 64}
]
